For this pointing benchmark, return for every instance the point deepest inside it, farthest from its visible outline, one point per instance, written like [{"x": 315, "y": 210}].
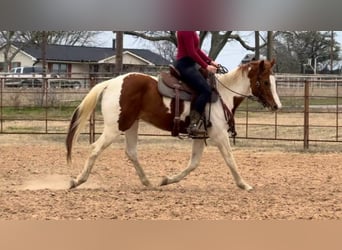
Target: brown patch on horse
[
  {"x": 237, "y": 101},
  {"x": 140, "y": 99},
  {"x": 173, "y": 106}
]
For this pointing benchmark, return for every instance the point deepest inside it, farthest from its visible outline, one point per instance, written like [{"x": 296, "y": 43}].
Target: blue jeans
[{"x": 194, "y": 79}]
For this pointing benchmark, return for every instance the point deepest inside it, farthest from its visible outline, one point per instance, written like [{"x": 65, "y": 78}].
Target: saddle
[{"x": 170, "y": 84}]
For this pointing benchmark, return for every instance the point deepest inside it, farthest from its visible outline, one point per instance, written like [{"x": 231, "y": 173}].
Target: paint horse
[{"x": 129, "y": 98}]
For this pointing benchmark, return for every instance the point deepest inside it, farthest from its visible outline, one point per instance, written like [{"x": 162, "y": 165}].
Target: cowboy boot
[{"x": 196, "y": 127}]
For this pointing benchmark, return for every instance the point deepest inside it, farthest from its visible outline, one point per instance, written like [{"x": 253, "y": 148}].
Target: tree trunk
[
  {"x": 118, "y": 52},
  {"x": 257, "y": 45},
  {"x": 269, "y": 44}
]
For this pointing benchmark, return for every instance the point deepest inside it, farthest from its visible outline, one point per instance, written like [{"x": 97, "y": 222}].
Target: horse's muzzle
[{"x": 274, "y": 107}]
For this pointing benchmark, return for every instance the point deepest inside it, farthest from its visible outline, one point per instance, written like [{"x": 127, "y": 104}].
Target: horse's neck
[{"x": 236, "y": 84}]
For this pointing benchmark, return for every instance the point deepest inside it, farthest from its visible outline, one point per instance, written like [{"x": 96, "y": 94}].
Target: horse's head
[{"x": 263, "y": 83}]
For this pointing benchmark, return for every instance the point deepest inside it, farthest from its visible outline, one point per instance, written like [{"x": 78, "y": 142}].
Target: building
[{"x": 70, "y": 61}]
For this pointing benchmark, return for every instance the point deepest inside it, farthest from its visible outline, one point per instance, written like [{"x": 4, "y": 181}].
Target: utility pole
[
  {"x": 269, "y": 44},
  {"x": 257, "y": 45},
  {"x": 43, "y": 49},
  {"x": 118, "y": 52},
  {"x": 332, "y": 52}
]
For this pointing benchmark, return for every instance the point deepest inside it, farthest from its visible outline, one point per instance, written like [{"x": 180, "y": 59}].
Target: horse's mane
[{"x": 235, "y": 74}]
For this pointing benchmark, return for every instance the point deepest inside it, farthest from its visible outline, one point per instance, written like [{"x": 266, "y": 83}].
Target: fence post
[
  {"x": 45, "y": 98},
  {"x": 337, "y": 109},
  {"x": 2, "y": 84},
  {"x": 92, "y": 116},
  {"x": 306, "y": 114}
]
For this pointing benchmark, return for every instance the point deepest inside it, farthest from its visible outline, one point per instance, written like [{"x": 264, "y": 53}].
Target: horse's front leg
[
  {"x": 197, "y": 150},
  {"x": 224, "y": 146}
]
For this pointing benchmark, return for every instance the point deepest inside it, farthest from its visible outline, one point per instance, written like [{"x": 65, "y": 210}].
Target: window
[
  {"x": 2, "y": 65},
  {"x": 60, "y": 68},
  {"x": 94, "y": 68},
  {"x": 13, "y": 65}
]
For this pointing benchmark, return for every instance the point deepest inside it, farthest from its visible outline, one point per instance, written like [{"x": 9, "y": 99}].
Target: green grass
[
  {"x": 34, "y": 129},
  {"x": 292, "y": 102},
  {"x": 37, "y": 112},
  {"x": 65, "y": 112},
  {"x": 325, "y": 101}
]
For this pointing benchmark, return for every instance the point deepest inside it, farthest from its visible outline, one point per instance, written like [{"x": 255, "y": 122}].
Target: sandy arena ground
[{"x": 287, "y": 185}]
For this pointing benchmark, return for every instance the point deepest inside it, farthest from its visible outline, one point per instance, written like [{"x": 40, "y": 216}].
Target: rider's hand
[
  {"x": 214, "y": 64},
  {"x": 212, "y": 69}
]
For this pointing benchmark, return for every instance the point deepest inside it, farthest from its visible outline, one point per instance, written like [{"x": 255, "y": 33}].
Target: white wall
[
  {"x": 79, "y": 68},
  {"x": 21, "y": 57}
]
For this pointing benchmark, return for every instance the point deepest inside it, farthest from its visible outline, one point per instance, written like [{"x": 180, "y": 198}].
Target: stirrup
[
  {"x": 204, "y": 136},
  {"x": 197, "y": 131},
  {"x": 198, "y": 135}
]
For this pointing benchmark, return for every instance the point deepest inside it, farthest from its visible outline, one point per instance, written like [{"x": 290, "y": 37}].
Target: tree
[
  {"x": 287, "y": 62},
  {"x": 119, "y": 52},
  {"x": 218, "y": 39},
  {"x": 6, "y": 40},
  {"x": 305, "y": 47},
  {"x": 72, "y": 38},
  {"x": 22, "y": 39},
  {"x": 163, "y": 41}
]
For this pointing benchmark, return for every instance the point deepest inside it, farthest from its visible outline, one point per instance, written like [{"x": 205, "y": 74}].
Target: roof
[
  {"x": 88, "y": 54},
  {"x": 247, "y": 58},
  {"x": 251, "y": 57}
]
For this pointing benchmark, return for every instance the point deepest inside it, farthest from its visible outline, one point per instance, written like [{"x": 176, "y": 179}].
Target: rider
[{"x": 188, "y": 55}]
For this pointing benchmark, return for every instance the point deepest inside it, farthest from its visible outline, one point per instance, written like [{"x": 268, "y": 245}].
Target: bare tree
[
  {"x": 165, "y": 49},
  {"x": 119, "y": 52},
  {"x": 218, "y": 39},
  {"x": 6, "y": 40},
  {"x": 79, "y": 38},
  {"x": 303, "y": 47},
  {"x": 23, "y": 38}
]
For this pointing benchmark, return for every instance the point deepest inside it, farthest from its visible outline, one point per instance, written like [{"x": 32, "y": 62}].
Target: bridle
[{"x": 229, "y": 117}]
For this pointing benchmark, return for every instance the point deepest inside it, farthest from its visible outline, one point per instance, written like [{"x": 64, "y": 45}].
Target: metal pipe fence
[{"x": 310, "y": 113}]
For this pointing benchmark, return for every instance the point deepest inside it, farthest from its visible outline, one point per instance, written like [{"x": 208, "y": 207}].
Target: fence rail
[{"x": 310, "y": 113}]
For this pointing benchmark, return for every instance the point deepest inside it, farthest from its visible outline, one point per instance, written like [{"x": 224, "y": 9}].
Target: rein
[
  {"x": 228, "y": 115},
  {"x": 223, "y": 70}
]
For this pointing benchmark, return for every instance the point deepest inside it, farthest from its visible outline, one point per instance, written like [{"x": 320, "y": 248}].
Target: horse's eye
[{"x": 267, "y": 83}]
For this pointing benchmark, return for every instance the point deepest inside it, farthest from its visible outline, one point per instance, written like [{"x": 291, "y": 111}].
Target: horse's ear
[
  {"x": 262, "y": 65},
  {"x": 272, "y": 62}
]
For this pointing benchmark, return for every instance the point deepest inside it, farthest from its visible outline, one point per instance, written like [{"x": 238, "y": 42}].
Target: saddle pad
[{"x": 170, "y": 92}]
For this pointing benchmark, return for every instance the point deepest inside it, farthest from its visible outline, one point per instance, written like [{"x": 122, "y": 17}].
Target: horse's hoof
[
  {"x": 164, "y": 181},
  {"x": 148, "y": 185},
  {"x": 72, "y": 184},
  {"x": 245, "y": 186}
]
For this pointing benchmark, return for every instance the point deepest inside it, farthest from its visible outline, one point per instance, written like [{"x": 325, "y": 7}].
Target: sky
[{"x": 230, "y": 56}]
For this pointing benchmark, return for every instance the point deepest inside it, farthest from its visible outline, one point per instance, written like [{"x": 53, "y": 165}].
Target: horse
[{"x": 134, "y": 96}]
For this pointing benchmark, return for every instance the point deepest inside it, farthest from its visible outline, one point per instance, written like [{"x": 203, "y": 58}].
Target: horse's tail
[{"x": 82, "y": 114}]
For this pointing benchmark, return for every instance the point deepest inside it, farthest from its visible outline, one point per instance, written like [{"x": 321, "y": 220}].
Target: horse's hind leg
[
  {"x": 101, "y": 144},
  {"x": 197, "y": 150},
  {"x": 131, "y": 151}
]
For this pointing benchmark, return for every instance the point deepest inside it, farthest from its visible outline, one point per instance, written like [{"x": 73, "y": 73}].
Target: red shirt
[{"x": 188, "y": 46}]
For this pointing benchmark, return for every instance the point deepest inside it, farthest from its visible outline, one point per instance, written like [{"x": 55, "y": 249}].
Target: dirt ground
[{"x": 287, "y": 185}]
